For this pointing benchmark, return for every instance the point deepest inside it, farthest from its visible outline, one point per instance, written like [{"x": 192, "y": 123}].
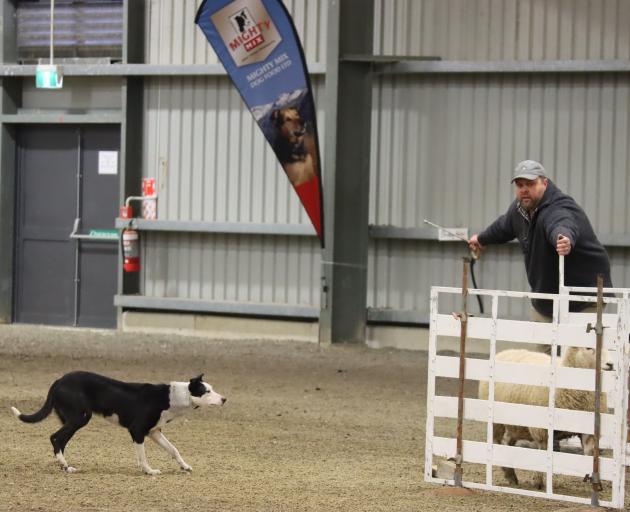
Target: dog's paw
[
  {"x": 186, "y": 467},
  {"x": 152, "y": 472},
  {"x": 70, "y": 469}
]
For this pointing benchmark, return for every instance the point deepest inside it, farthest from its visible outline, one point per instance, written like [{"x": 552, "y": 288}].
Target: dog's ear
[
  {"x": 196, "y": 386},
  {"x": 276, "y": 117}
]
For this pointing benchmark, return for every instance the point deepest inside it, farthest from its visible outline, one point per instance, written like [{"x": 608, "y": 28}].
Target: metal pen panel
[
  {"x": 172, "y": 37},
  {"x": 503, "y": 29},
  {"x": 232, "y": 268}
]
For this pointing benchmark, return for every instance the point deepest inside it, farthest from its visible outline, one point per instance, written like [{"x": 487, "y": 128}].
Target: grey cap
[{"x": 529, "y": 170}]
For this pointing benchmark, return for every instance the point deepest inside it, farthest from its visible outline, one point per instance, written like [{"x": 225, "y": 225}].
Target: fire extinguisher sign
[{"x": 259, "y": 47}]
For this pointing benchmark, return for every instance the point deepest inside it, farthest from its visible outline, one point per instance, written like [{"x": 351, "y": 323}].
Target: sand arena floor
[{"x": 304, "y": 429}]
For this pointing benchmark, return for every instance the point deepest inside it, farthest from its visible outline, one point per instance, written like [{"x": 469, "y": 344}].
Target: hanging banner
[{"x": 258, "y": 45}]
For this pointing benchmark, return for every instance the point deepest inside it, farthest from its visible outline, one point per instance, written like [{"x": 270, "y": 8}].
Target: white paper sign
[
  {"x": 452, "y": 234},
  {"x": 108, "y": 162}
]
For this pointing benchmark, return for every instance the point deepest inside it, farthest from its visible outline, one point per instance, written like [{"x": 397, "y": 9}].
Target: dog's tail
[{"x": 39, "y": 415}]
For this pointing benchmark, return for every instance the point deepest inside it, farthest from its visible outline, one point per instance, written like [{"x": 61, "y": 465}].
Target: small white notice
[
  {"x": 452, "y": 234},
  {"x": 108, "y": 162}
]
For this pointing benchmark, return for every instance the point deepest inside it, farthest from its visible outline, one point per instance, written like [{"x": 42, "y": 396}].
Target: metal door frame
[{"x": 75, "y": 234}]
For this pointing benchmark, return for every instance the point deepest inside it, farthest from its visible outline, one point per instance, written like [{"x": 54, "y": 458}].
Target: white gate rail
[{"x": 567, "y": 329}]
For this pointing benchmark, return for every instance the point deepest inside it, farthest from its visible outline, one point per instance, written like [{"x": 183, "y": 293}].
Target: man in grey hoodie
[{"x": 548, "y": 223}]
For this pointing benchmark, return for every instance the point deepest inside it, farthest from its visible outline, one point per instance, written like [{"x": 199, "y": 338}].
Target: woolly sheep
[{"x": 539, "y": 395}]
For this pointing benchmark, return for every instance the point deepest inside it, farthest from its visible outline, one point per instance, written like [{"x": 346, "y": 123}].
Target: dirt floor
[{"x": 304, "y": 429}]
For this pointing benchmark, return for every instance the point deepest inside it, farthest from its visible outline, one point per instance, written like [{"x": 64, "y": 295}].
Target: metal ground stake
[
  {"x": 463, "y": 317},
  {"x": 599, "y": 332}
]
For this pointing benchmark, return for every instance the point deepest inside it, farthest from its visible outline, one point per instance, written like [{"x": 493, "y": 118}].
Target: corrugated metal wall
[
  {"x": 212, "y": 164},
  {"x": 504, "y": 29},
  {"x": 210, "y": 161},
  {"x": 79, "y": 94},
  {"x": 232, "y": 268},
  {"x": 447, "y": 145},
  {"x": 443, "y": 147},
  {"x": 401, "y": 272}
]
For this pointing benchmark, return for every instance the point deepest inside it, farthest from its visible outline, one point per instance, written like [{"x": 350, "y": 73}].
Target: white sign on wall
[
  {"x": 108, "y": 162},
  {"x": 452, "y": 234}
]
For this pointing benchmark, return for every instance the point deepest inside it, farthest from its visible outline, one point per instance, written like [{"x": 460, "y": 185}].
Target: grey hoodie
[{"x": 557, "y": 213}]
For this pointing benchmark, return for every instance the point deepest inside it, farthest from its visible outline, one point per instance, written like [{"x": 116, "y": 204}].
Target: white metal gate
[{"x": 567, "y": 329}]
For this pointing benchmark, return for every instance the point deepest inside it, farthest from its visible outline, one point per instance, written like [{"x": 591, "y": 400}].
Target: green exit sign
[
  {"x": 48, "y": 77},
  {"x": 105, "y": 234}
]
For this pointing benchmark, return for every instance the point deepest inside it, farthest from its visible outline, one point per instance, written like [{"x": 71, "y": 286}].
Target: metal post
[
  {"x": 463, "y": 317},
  {"x": 77, "y": 242},
  {"x": 347, "y": 171},
  {"x": 10, "y": 101},
  {"x": 52, "y": 20},
  {"x": 599, "y": 332}
]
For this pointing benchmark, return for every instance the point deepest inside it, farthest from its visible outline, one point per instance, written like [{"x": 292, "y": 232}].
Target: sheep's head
[
  {"x": 588, "y": 444},
  {"x": 581, "y": 357}
]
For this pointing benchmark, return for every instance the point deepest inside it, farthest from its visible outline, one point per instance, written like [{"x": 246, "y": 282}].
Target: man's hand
[
  {"x": 563, "y": 245},
  {"x": 475, "y": 246}
]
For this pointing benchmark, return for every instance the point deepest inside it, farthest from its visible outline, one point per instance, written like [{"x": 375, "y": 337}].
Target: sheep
[{"x": 539, "y": 395}]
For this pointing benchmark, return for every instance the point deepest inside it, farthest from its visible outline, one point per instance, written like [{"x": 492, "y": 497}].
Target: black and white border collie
[{"x": 141, "y": 408}]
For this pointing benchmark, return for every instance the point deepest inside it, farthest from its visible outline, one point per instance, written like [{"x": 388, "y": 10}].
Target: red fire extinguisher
[
  {"x": 130, "y": 244},
  {"x": 131, "y": 250}
]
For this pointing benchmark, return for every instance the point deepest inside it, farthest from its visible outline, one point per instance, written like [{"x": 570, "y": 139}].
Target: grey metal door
[{"x": 66, "y": 249}]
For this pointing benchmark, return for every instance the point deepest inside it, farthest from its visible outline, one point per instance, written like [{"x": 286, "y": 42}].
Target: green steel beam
[
  {"x": 219, "y": 307},
  {"x": 404, "y": 66},
  {"x": 343, "y": 314},
  {"x": 383, "y": 65},
  {"x": 7, "y": 208},
  {"x": 134, "y": 12},
  {"x": 48, "y": 117},
  {"x": 91, "y": 69},
  {"x": 10, "y": 100}
]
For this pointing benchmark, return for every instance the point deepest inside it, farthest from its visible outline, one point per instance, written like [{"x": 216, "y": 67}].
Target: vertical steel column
[
  {"x": 131, "y": 163},
  {"x": 8, "y": 11},
  {"x": 134, "y": 14},
  {"x": 10, "y": 101},
  {"x": 77, "y": 242},
  {"x": 346, "y": 171}
]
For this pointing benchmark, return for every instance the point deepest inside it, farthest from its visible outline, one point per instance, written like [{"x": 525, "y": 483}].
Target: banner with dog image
[{"x": 258, "y": 45}]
